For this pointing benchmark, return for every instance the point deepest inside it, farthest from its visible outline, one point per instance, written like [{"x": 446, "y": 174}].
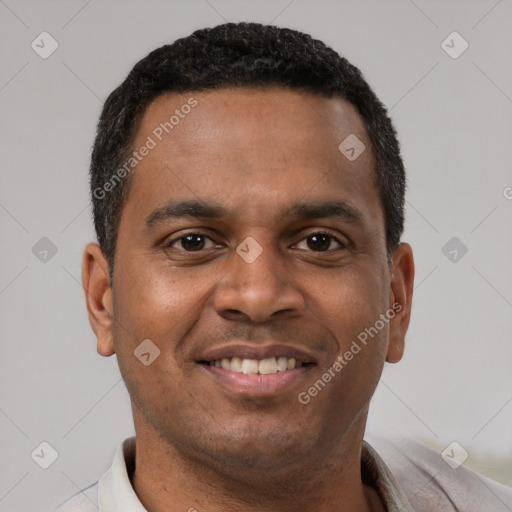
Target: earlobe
[
  {"x": 105, "y": 346},
  {"x": 395, "y": 351},
  {"x": 400, "y": 299},
  {"x": 98, "y": 297}
]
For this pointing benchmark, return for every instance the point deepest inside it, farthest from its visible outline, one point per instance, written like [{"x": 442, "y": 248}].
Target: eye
[
  {"x": 190, "y": 242},
  {"x": 321, "y": 241}
]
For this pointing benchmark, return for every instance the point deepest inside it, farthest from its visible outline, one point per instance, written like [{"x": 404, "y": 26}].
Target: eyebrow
[{"x": 202, "y": 210}]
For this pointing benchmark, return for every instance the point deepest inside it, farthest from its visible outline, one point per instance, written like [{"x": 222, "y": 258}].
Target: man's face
[{"x": 263, "y": 279}]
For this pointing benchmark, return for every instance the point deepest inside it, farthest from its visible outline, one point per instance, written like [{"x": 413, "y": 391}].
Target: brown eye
[
  {"x": 321, "y": 242},
  {"x": 189, "y": 243}
]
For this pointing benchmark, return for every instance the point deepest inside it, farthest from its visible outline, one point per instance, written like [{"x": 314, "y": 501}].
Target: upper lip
[{"x": 260, "y": 351}]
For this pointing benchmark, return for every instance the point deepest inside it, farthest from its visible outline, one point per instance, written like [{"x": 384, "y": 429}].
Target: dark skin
[{"x": 204, "y": 444}]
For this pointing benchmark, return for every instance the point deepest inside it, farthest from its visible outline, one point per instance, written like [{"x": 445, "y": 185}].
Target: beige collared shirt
[{"x": 419, "y": 481}]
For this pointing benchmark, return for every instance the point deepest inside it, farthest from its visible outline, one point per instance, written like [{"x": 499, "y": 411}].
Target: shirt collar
[
  {"x": 116, "y": 494},
  {"x": 384, "y": 482}
]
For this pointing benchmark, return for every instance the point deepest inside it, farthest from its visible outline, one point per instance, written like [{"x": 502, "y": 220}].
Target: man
[{"x": 248, "y": 196}]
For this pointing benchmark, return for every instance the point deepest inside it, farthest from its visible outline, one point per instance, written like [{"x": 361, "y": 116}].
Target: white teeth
[
  {"x": 236, "y": 364},
  {"x": 266, "y": 366},
  {"x": 282, "y": 364},
  {"x": 250, "y": 366}
]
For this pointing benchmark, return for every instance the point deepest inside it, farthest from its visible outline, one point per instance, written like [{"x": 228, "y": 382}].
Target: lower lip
[{"x": 259, "y": 385}]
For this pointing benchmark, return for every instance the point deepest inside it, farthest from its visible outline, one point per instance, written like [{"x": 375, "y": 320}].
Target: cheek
[
  {"x": 161, "y": 304},
  {"x": 352, "y": 303},
  {"x": 349, "y": 301},
  {"x": 156, "y": 296}
]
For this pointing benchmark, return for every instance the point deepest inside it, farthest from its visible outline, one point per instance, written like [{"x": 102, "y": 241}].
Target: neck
[{"x": 167, "y": 480}]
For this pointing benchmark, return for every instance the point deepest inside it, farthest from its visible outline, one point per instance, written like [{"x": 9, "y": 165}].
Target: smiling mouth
[{"x": 268, "y": 366}]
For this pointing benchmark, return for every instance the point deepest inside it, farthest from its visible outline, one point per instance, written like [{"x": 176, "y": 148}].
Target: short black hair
[{"x": 237, "y": 55}]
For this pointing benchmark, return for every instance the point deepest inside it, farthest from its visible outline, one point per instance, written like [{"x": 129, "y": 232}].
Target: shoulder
[
  {"x": 84, "y": 501},
  {"x": 116, "y": 478},
  {"x": 431, "y": 483}
]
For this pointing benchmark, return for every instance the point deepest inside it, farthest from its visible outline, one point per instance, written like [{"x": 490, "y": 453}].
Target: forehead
[
  {"x": 254, "y": 150},
  {"x": 253, "y": 118}
]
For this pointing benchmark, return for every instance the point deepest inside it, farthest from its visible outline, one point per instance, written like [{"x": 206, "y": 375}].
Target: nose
[{"x": 257, "y": 290}]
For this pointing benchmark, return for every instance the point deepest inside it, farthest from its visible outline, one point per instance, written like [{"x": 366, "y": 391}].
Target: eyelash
[{"x": 325, "y": 232}]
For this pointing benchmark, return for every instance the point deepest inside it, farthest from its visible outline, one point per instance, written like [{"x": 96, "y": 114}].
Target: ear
[
  {"x": 400, "y": 298},
  {"x": 98, "y": 297}
]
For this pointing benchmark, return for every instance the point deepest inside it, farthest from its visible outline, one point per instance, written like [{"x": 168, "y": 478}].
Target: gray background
[{"x": 454, "y": 118}]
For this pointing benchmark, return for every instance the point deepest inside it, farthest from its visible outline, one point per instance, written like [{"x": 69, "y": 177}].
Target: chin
[
  {"x": 250, "y": 459},
  {"x": 256, "y": 450}
]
